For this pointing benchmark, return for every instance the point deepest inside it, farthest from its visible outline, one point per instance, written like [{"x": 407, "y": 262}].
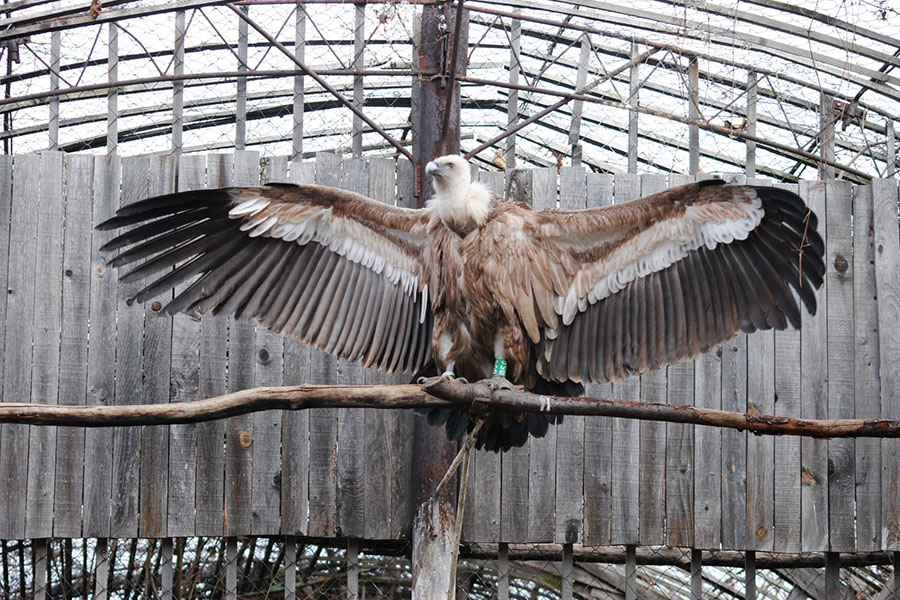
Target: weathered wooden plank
[
  {"x": 626, "y": 459},
  {"x": 351, "y": 422},
  {"x": 482, "y": 516},
  {"x": 45, "y": 345},
  {"x": 98, "y": 447},
  {"x": 380, "y": 426},
  {"x": 69, "y": 475},
  {"x": 760, "y": 449},
  {"x": 184, "y": 386},
  {"x": 680, "y": 461},
  {"x": 887, "y": 286},
  {"x": 708, "y": 454},
  {"x": 402, "y": 504},
  {"x": 649, "y": 438},
  {"x": 867, "y": 388},
  {"x": 840, "y": 355},
  {"x": 734, "y": 446},
  {"x": 268, "y": 364},
  {"x": 543, "y": 452},
  {"x": 570, "y": 433},
  {"x": 295, "y": 424},
  {"x": 515, "y": 464},
  {"x": 239, "y": 434},
  {"x": 813, "y": 386},
  {"x": 6, "y": 175},
  {"x": 210, "y": 493},
  {"x": 598, "y": 449},
  {"x": 323, "y": 422},
  {"x": 126, "y": 458},
  {"x": 154, "y": 477},
  {"x": 23, "y": 230},
  {"x": 787, "y": 448}
]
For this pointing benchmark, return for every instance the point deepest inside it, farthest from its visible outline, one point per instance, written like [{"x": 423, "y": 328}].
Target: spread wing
[
  {"x": 626, "y": 289},
  {"x": 336, "y": 269}
]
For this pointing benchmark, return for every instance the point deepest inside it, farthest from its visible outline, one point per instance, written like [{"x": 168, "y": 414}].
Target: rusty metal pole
[{"x": 441, "y": 39}]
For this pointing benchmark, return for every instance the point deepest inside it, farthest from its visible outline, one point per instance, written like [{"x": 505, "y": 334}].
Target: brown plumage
[{"x": 565, "y": 297}]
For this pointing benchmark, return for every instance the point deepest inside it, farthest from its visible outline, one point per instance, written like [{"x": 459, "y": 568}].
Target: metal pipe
[
  {"x": 318, "y": 78},
  {"x": 451, "y": 66},
  {"x": 565, "y": 100}
]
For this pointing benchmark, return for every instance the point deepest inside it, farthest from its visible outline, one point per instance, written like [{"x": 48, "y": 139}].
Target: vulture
[{"x": 472, "y": 287}]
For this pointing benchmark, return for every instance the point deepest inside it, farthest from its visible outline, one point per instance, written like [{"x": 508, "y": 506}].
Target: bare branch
[{"x": 476, "y": 397}]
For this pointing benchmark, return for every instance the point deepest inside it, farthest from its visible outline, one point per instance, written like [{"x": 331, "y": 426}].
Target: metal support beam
[
  {"x": 832, "y": 576},
  {"x": 231, "y": 568},
  {"x": 512, "y": 101},
  {"x": 359, "y": 97},
  {"x": 290, "y": 568},
  {"x": 503, "y": 572},
  {"x": 167, "y": 575},
  {"x": 630, "y": 572},
  {"x": 318, "y": 79},
  {"x": 40, "y": 569},
  {"x": 53, "y": 124},
  {"x": 112, "y": 97},
  {"x": 694, "y": 115},
  {"x": 750, "y": 574},
  {"x": 178, "y": 86},
  {"x": 578, "y": 106},
  {"x": 891, "y": 153},
  {"x": 634, "y": 85},
  {"x": 567, "y": 571},
  {"x": 439, "y": 100},
  {"x": 300, "y": 55},
  {"x": 696, "y": 574},
  {"x": 826, "y": 137},
  {"x": 752, "y": 94},
  {"x": 240, "y": 121},
  {"x": 352, "y": 569}
]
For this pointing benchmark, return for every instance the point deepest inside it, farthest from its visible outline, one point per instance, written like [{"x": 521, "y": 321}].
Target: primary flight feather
[{"x": 563, "y": 297}]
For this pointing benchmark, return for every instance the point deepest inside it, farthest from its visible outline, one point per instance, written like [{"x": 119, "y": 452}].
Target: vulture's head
[{"x": 458, "y": 201}]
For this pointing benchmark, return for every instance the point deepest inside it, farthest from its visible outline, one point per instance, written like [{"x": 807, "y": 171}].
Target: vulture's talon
[{"x": 499, "y": 382}]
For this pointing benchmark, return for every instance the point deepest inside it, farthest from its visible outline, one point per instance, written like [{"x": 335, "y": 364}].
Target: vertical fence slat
[
  {"x": 814, "y": 453},
  {"x": 101, "y": 354},
  {"x": 760, "y": 449},
  {"x": 841, "y": 387},
  {"x": 570, "y": 433},
  {"x": 45, "y": 349},
  {"x": 734, "y": 445},
  {"x": 268, "y": 361},
  {"x": 543, "y": 465},
  {"x": 481, "y": 520},
  {"x": 184, "y": 386},
  {"x": 598, "y": 450},
  {"x": 380, "y": 426},
  {"x": 295, "y": 424},
  {"x": 154, "y": 477},
  {"x": 323, "y": 422},
  {"x": 17, "y": 358},
  {"x": 351, "y": 422},
  {"x": 297, "y": 112},
  {"x": 515, "y": 463},
  {"x": 626, "y": 440},
  {"x": 787, "y": 448},
  {"x": 887, "y": 282},
  {"x": 67, "y": 498},
  {"x": 126, "y": 460},
  {"x": 708, "y": 454},
  {"x": 240, "y": 436},
  {"x": 867, "y": 388},
  {"x": 210, "y": 492}
]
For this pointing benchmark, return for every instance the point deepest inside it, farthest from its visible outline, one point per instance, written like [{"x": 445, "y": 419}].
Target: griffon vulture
[{"x": 554, "y": 297}]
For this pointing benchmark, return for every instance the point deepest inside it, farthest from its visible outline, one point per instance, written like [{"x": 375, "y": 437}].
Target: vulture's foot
[
  {"x": 498, "y": 382},
  {"x": 445, "y": 376}
]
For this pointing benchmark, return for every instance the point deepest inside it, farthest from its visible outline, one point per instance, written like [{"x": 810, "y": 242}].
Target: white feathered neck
[{"x": 461, "y": 204}]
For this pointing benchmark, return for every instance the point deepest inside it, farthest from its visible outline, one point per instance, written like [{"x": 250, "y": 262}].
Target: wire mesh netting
[
  {"x": 199, "y": 76},
  {"x": 250, "y": 568}
]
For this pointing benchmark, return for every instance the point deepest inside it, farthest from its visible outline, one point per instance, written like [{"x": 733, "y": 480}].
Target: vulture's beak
[{"x": 433, "y": 169}]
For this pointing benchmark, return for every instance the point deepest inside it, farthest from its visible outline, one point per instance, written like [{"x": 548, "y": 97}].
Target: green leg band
[{"x": 500, "y": 367}]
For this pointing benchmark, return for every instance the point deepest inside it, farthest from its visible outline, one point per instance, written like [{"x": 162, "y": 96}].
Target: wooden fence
[{"x": 70, "y": 338}]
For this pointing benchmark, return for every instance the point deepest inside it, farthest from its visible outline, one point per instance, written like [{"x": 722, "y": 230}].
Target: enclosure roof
[{"x": 193, "y": 75}]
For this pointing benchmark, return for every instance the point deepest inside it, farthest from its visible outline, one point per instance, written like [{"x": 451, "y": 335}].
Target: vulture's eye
[{"x": 451, "y": 166}]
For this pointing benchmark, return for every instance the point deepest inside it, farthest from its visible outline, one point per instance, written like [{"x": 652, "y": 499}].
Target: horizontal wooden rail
[{"x": 476, "y": 396}]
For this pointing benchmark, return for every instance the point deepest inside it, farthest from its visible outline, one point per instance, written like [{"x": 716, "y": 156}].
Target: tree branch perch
[{"x": 477, "y": 397}]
